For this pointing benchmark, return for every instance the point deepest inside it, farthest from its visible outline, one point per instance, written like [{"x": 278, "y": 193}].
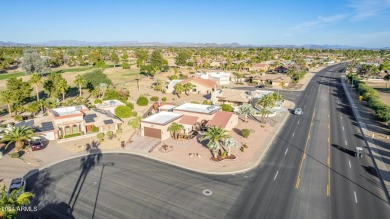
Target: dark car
[
  {"x": 17, "y": 184},
  {"x": 260, "y": 86},
  {"x": 36, "y": 145}
]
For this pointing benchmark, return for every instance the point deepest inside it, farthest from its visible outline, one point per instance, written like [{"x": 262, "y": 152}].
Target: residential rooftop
[
  {"x": 110, "y": 103},
  {"x": 198, "y": 108},
  {"x": 66, "y": 111},
  {"x": 162, "y": 118}
]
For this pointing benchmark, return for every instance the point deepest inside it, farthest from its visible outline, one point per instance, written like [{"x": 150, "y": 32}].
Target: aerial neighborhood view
[{"x": 195, "y": 109}]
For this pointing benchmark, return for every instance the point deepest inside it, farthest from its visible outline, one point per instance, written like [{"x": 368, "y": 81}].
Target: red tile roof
[
  {"x": 259, "y": 65},
  {"x": 220, "y": 119},
  {"x": 201, "y": 81},
  {"x": 188, "y": 120}
]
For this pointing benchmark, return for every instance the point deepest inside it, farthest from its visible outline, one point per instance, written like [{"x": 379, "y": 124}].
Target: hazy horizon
[{"x": 359, "y": 23}]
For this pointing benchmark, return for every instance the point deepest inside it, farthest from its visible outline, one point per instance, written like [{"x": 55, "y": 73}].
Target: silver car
[
  {"x": 17, "y": 184},
  {"x": 298, "y": 111}
]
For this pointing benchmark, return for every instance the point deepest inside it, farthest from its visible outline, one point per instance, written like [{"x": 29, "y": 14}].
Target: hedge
[
  {"x": 154, "y": 98},
  {"x": 123, "y": 112},
  {"x": 72, "y": 135},
  {"x": 245, "y": 133},
  {"x": 142, "y": 101}
]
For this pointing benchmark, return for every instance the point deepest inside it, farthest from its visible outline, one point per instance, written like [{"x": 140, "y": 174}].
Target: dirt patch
[{"x": 383, "y": 90}]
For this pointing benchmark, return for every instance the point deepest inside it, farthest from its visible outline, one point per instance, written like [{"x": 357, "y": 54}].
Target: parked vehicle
[
  {"x": 36, "y": 145},
  {"x": 17, "y": 184},
  {"x": 260, "y": 86},
  {"x": 298, "y": 111}
]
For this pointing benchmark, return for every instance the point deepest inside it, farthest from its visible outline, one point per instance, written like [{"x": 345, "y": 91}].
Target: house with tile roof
[
  {"x": 201, "y": 86},
  {"x": 259, "y": 67},
  {"x": 230, "y": 96}
]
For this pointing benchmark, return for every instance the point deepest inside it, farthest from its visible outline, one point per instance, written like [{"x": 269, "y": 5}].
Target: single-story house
[
  {"x": 259, "y": 67},
  {"x": 156, "y": 125},
  {"x": 224, "y": 120},
  {"x": 110, "y": 105},
  {"x": 221, "y": 78},
  {"x": 201, "y": 86},
  {"x": 171, "y": 86},
  {"x": 231, "y": 96},
  {"x": 204, "y": 112},
  {"x": 275, "y": 80}
]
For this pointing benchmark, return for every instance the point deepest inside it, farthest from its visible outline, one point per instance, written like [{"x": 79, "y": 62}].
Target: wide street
[{"x": 310, "y": 171}]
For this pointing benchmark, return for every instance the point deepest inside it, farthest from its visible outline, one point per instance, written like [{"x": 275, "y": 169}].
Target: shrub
[
  {"x": 245, "y": 133},
  {"x": 118, "y": 131},
  {"x": 154, "y": 98},
  {"x": 15, "y": 155},
  {"x": 97, "y": 101},
  {"x": 227, "y": 108},
  {"x": 94, "y": 129},
  {"x": 134, "y": 114},
  {"x": 123, "y": 112},
  {"x": 125, "y": 65},
  {"x": 100, "y": 136},
  {"x": 194, "y": 102},
  {"x": 173, "y": 77},
  {"x": 142, "y": 101},
  {"x": 72, "y": 135},
  {"x": 131, "y": 105},
  {"x": 164, "y": 99},
  {"x": 18, "y": 118},
  {"x": 110, "y": 134},
  {"x": 207, "y": 102}
]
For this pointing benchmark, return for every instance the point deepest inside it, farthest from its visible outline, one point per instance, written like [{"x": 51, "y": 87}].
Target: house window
[
  {"x": 75, "y": 129},
  {"x": 67, "y": 130}
]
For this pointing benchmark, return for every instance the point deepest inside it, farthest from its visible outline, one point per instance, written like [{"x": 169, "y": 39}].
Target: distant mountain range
[{"x": 175, "y": 44}]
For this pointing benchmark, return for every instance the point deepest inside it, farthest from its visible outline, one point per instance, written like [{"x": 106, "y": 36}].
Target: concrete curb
[{"x": 362, "y": 126}]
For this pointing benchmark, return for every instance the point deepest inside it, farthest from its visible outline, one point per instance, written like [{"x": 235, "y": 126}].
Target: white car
[{"x": 298, "y": 111}]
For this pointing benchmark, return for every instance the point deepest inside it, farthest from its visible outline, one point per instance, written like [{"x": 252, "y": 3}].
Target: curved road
[{"x": 308, "y": 172}]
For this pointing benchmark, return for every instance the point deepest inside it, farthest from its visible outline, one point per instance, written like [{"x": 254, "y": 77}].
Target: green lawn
[{"x": 11, "y": 75}]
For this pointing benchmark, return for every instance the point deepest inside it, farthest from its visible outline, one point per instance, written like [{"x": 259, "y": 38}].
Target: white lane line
[
  {"x": 346, "y": 143},
  {"x": 277, "y": 175},
  {"x": 355, "y": 196},
  {"x": 285, "y": 152},
  {"x": 343, "y": 128},
  {"x": 298, "y": 122},
  {"x": 341, "y": 117},
  {"x": 349, "y": 164},
  {"x": 304, "y": 107},
  {"x": 293, "y": 135}
]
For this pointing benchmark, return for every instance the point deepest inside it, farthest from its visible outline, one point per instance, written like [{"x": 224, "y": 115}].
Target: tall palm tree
[
  {"x": 80, "y": 80},
  {"x": 230, "y": 143},
  {"x": 62, "y": 87},
  {"x": 214, "y": 135},
  {"x": 188, "y": 87},
  {"x": 6, "y": 97},
  {"x": 11, "y": 202},
  {"x": 135, "y": 123},
  {"x": 265, "y": 103},
  {"x": 175, "y": 129},
  {"x": 179, "y": 89},
  {"x": 245, "y": 110},
  {"x": 35, "y": 80},
  {"x": 18, "y": 135}
]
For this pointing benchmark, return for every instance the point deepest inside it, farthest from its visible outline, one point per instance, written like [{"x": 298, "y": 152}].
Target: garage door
[
  {"x": 47, "y": 136},
  {"x": 151, "y": 132}
]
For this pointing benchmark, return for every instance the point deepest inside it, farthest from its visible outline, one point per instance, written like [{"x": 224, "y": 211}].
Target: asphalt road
[{"x": 303, "y": 175}]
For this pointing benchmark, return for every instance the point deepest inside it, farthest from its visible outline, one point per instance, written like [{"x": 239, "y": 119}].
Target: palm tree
[
  {"x": 175, "y": 129},
  {"x": 230, "y": 143},
  {"x": 35, "y": 80},
  {"x": 80, "y": 80},
  {"x": 62, "y": 87},
  {"x": 6, "y": 97},
  {"x": 245, "y": 110},
  {"x": 214, "y": 135},
  {"x": 135, "y": 123},
  {"x": 188, "y": 87},
  {"x": 265, "y": 103},
  {"x": 179, "y": 89},
  {"x": 18, "y": 135},
  {"x": 11, "y": 202}
]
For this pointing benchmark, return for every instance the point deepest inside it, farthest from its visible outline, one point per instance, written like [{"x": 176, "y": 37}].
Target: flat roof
[
  {"x": 167, "y": 107},
  {"x": 174, "y": 82},
  {"x": 162, "y": 118},
  {"x": 64, "y": 111},
  {"x": 198, "y": 108}
]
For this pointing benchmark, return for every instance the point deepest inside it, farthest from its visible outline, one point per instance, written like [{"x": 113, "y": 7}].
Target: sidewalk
[{"x": 379, "y": 148}]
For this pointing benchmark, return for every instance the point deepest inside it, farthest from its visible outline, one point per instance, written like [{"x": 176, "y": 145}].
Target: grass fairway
[{"x": 5, "y": 76}]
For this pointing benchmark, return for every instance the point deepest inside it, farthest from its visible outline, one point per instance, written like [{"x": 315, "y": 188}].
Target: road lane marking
[
  {"x": 346, "y": 142},
  {"x": 341, "y": 117},
  {"x": 304, "y": 107},
  {"x": 355, "y": 196},
  {"x": 276, "y": 174},
  {"x": 343, "y": 128},
  {"x": 285, "y": 152},
  {"x": 298, "y": 122},
  {"x": 349, "y": 164},
  {"x": 304, "y": 152},
  {"x": 293, "y": 135}
]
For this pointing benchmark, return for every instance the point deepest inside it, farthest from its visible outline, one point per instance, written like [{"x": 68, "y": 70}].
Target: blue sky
[{"x": 256, "y": 22}]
